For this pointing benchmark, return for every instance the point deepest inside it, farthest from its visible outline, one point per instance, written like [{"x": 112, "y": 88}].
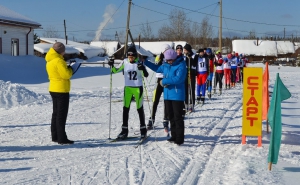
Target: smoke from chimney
[{"x": 107, "y": 18}]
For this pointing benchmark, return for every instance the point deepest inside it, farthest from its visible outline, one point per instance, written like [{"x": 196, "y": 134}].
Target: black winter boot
[
  {"x": 124, "y": 133},
  {"x": 150, "y": 124}
]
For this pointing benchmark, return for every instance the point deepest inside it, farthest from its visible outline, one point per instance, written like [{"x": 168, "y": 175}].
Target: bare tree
[
  {"x": 177, "y": 28},
  {"x": 194, "y": 35},
  {"x": 252, "y": 34},
  {"x": 206, "y": 31},
  {"x": 121, "y": 35},
  {"x": 146, "y": 31},
  {"x": 51, "y": 32}
]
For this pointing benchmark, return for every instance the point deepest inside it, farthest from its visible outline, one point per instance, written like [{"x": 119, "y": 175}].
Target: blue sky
[{"x": 83, "y": 17}]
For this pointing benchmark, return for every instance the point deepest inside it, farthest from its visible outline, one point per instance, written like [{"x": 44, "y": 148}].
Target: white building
[
  {"x": 110, "y": 47},
  {"x": 16, "y": 33},
  {"x": 88, "y": 51}
]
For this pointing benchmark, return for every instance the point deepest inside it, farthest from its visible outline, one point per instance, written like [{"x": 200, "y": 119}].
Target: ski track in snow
[{"x": 211, "y": 131}]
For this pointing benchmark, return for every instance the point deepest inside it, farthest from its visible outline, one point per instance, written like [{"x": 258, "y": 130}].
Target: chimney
[{"x": 257, "y": 41}]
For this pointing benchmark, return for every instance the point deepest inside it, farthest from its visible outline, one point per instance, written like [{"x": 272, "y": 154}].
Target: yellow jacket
[{"x": 58, "y": 72}]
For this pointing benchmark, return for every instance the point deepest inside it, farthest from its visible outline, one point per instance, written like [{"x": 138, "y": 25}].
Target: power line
[
  {"x": 252, "y": 22},
  {"x": 200, "y": 23},
  {"x": 191, "y": 11}
]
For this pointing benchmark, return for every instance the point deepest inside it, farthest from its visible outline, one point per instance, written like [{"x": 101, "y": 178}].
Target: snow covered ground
[{"x": 212, "y": 152}]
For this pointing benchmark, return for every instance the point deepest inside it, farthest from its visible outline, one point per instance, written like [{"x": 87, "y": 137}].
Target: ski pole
[
  {"x": 150, "y": 79},
  {"x": 146, "y": 91},
  {"x": 110, "y": 94}
]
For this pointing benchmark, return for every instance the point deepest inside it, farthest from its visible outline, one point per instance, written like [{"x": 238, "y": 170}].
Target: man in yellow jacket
[{"x": 59, "y": 75}]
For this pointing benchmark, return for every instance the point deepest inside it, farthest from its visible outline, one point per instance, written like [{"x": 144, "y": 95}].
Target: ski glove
[
  {"x": 111, "y": 62},
  {"x": 71, "y": 62},
  {"x": 141, "y": 66}
]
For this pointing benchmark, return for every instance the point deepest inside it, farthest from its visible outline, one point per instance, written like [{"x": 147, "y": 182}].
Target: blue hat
[{"x": 208, "y": 50}]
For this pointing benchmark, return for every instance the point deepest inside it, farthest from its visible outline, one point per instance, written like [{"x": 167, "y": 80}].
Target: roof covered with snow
[
  {"x": 263, "y": 47},
  {"x": 10, "y": 17},
  {"x": 88, "y": 50},
  {"x": 284, "y": 47},
  {"x": 154, "y": 47},
  {"x": 110, "y": 46},
  {"x": 140, "y": 51},
  {"x": 183, "y": 43},
  {"x": 44, "y": 48}
]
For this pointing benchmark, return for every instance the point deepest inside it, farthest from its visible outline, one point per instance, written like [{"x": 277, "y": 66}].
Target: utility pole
[
  {"x": 220, "y": 27},
  {"x": 283, "y": 33},
  {"x": 127, "y": 27},
  {"x": 66, "y": 37}
]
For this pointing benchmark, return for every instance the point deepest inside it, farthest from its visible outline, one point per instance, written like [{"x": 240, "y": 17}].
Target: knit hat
[
  {"x": 188, "y": 48},
  {"x": 208, "y": 50},
  {"x": 131, "y": 52},
  {"x": 200, "y": 50},
  {"x": 170, "y": 54},
  {"x": 179, "y": 47},
  {"x": 165, "y": 47},
  {"x": 59, "y": 47}
]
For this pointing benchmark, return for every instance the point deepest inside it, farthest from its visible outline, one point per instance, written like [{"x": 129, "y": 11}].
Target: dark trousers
[
  {"x": 233, "y": 75},
  {"x": 190, "y": 94},
  {"x": 126, "y": 116},
  {"x": 174, "y": 109},
  {"x": 241, "y": 74},
  {"x": 59, "y": 116},
  {"x": 158, "y": 91},
  {"x": 218, "y": 79}
]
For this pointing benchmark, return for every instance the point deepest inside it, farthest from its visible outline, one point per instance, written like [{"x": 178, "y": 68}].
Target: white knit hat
[{"x": 165, "y": 47}]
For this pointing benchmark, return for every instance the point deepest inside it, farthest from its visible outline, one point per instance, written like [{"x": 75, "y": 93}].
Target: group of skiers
[{"x": 182, "y": 75}]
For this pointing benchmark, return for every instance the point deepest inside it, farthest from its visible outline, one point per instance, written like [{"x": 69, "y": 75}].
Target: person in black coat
[{"x": 190, "y": 81}]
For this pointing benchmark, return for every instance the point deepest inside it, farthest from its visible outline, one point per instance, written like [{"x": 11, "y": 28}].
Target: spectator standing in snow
[
  {"x": 190, "y": 81},
  {"x": 133, "y": 76},
  {"x": 159, "y": 60},
  {"x": 174, "y": 71},
  {"x": 59, "y": 75}
]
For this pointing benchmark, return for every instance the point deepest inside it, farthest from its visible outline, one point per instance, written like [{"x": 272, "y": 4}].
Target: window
[
  {"x": 14, "y": 47},
  {"x": 0, "y": 45}
]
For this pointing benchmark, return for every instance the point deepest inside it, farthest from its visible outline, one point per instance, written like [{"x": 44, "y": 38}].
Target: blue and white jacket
[{"x": 174, "y": 78}]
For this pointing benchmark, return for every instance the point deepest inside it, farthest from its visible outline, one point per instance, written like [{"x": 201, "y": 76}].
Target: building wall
[{"x": 17, "y": 33}]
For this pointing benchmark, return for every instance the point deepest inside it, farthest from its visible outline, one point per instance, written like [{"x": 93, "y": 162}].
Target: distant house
[
  {"x": 110, "y": 47},
  {"x": 264, "y": 50},
  {"x": 73, "y": 49},
  {"x": 140, "y": 50},
  {"x": 16, "y": 33},
  {"x": 155, "y": 47}
]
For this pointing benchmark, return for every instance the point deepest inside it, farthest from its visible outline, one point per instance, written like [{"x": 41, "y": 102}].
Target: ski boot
[
  {"x": 209, "y": 95},
  {"x": 166, "y": 126},
  {"x": 150, "y": 124},
  {"x": 220, "y": 92},
  {"x": 143, "y": 132},
  {"x": 171, "y": 140},
  {"x": 198, "y": 99},
  {"x": 123, "y": 134},
  {"x": 202, "y": 101},
  {"x": 215, "y": 91}
]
